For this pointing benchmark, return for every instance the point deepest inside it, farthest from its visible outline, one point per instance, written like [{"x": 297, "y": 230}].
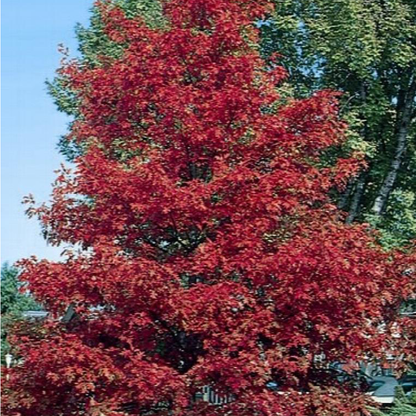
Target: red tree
[{"x": 210, "y": 253}]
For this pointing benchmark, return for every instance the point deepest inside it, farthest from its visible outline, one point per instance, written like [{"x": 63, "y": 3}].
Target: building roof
[{"x": 35, "y": 314}]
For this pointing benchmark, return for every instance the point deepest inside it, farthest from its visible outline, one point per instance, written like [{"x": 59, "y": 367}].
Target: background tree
[
  {"x": 367, "y": 50},
  {"x": 209, "y": 253},
  {"x": 402, "y": 406},
  {"x": 13, "y": 303}
]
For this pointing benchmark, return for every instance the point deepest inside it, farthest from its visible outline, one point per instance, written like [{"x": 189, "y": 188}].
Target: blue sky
[{"x": 31, "y": 125}]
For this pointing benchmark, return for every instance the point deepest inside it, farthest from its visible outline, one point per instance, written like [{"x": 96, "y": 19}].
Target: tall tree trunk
[
  {"x": 356, "y": 199},
  {"x": 343, "y": 200},
  {"x": 404, "y": 115},
  {"x": 357, "y": 186}
]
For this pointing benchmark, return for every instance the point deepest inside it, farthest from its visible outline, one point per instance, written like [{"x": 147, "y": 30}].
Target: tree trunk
[
  {"x": 343, "y": 201},
  {"x": 356, "y": 186},
  {"x": 356, "y": 199},
  {"x": 404, "y": 115}
]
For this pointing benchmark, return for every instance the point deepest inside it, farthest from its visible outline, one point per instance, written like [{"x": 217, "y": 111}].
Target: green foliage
[
  {"x": 398, "y": 225},
  {"x": 150, "y": 10},
  {"x": 13, "y": 303},
  {"x": 366, "y": 49},
  {"x": 402, "y": 406}
]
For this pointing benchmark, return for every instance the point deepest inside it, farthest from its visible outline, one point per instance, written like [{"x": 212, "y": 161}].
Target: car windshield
[{"x": 375, "y": 385}]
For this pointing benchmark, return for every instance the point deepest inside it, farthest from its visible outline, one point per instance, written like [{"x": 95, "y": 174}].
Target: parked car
[{"x": 408, "y": 383}]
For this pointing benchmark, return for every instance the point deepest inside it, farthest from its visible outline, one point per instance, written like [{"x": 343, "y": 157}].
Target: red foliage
[{"x": 211, "y": 253}]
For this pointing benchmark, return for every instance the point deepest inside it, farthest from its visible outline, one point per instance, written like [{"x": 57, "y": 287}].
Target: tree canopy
[
  {"x": 207, "y": 250},
  {"x": 367, "y": 50},
  {"x": 364, "y": 49}
]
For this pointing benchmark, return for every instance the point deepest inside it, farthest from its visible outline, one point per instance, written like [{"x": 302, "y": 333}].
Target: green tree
[
  {"x": 402, "y": 405},
  {"x": 367, "y": 50},
  {"x": 13, "y": 302}
]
